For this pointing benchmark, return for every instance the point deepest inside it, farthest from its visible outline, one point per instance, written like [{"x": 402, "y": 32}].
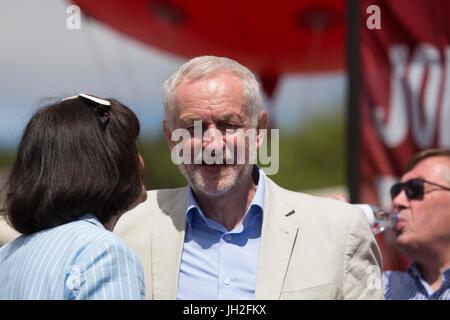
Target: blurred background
[{"x": 119, "y": 49}]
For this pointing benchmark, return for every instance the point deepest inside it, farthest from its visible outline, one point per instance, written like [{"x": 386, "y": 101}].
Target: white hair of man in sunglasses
[{"x": 423, "y": 229}]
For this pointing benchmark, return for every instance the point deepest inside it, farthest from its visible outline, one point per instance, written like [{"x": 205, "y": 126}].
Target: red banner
[{"x": 404, "y": 95}]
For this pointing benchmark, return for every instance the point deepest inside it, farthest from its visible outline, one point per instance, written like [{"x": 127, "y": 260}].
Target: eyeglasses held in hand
[
  {"x": 90, "y": 97},
  {"x": 102, "y": 108},
  {"x": 414, "y": 188}
]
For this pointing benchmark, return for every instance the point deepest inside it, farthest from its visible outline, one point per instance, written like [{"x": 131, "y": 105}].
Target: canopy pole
[{"x": 353, "y": 99}]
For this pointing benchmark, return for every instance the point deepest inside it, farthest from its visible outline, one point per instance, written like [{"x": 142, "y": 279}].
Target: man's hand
[{"x": 339, "y": 197}]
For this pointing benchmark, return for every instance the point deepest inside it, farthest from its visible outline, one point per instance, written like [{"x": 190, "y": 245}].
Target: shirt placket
[{"x": 226, "y": 264}]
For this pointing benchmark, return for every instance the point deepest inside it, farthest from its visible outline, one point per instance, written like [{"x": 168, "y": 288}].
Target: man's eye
[{"x": 230, "y": 126}]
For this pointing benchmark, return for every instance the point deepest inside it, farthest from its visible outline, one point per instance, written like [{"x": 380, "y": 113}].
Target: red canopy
[{"x": 269, "y": 37}]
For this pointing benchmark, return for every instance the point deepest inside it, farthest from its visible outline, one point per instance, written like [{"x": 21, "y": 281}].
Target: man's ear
[
  {"x": 262, "y": 124},
  {"x": 167, "y": 134}
]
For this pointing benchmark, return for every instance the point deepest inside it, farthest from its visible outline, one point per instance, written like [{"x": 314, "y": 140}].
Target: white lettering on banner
[
  {"x": 396, "y": 127},
  {"x": 425, "y": 56},
  {"x": 383, "y": 188},
  {"x": 444, "y": 134},
  {"x": 405, "y": 92}
]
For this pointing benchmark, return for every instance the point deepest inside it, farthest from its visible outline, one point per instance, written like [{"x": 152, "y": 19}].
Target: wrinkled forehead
[
  {"x": 214, "y": 81},
  {"x": 212, "y": 93}
]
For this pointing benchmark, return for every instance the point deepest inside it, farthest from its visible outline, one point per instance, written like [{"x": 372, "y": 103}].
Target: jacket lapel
[
  {"x": 167, "y": 245},
  {"x": 278, "y": 236}
]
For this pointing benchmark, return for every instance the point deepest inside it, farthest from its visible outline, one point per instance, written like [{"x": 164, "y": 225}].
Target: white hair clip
[
  {"x": 90, "y": 97},
  {"x": 102, "y": 110}
]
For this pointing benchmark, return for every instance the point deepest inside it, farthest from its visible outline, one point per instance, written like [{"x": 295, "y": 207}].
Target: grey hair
[{"x": 208, "y": 66}]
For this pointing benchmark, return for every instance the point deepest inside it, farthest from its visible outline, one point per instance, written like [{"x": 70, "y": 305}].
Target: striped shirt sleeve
[{"x": 108, "y": 271}]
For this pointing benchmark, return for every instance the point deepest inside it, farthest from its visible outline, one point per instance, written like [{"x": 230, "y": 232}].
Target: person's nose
[
  {"x": 400, "y": 201},
  {"x": 213, "y": 138}
]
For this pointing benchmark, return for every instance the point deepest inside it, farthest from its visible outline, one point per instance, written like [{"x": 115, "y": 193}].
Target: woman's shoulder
[
  {"x": 81, "y": 239},
  {"x": 86, "y": 237},
  {"x": 92, "y": 234}
]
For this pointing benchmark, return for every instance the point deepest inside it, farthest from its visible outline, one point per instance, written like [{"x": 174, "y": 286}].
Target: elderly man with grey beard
[{"x": 232, "y": 233}]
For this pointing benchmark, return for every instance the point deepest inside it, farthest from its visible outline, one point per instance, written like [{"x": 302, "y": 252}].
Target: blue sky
[{"x": 40, "y": 57}]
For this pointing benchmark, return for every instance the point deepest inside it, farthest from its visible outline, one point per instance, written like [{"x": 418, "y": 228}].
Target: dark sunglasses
[{"x": 414, "y": 188}]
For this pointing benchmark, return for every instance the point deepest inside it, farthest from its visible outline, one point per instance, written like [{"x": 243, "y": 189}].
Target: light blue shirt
[
  {"x": 410, "y": 285},
  {"x": 77, "y": 260},
  {"x": 217, "y": 263}
]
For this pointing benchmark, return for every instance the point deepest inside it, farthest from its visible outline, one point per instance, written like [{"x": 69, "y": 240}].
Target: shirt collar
[
  {"x": 92, "y": 219},
  {"x": 257, "y": 201},
  {"x": 414, "y": 271}
]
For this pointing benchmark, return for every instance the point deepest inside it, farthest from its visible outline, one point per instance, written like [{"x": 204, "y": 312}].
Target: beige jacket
[
  {"x": 7, "y": 233},
  {"x": 311, "y": 248}
]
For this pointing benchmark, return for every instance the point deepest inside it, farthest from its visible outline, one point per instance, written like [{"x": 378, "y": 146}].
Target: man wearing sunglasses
[{"x": 422, "y": 200}]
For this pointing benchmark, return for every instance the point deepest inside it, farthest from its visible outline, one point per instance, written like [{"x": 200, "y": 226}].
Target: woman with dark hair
[{"x": 76, "y": 172}]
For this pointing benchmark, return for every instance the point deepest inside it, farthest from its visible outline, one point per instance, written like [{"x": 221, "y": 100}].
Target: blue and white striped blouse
[{"x": 77, "y": 260}]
